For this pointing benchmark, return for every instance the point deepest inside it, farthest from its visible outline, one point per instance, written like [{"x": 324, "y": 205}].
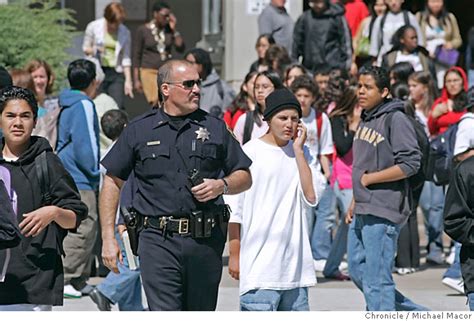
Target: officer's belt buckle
[{"x": 183, "y": 226}]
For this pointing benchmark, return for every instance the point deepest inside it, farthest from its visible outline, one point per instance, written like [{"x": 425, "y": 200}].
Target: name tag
[{"x": 153, "y": 143}]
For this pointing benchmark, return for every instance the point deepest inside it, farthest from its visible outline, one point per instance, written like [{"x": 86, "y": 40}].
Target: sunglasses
[{"x": 187, "y": 84}]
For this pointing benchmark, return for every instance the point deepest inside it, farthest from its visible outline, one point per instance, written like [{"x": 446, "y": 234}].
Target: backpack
[
  {"x": 9, "y": 231},
  {"x": 440, "y": 165},
  {"x": 10, "y": 235},
  {"x": 47, "y": 126},
  {"x": 417, "y": 180}
]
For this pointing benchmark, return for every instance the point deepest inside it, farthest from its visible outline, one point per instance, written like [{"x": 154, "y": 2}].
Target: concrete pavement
[{"x": 423, "y": 287}]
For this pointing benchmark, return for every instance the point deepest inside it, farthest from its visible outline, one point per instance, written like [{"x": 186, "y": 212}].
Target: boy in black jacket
[
  {"x": 459, "y": 205},
  {"x": 384, "y": 156}
]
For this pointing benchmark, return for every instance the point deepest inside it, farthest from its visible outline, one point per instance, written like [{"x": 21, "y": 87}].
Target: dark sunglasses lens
[{"x": 190, "y": 83}]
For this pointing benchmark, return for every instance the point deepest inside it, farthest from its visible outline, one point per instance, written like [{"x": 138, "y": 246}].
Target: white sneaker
[
  {"x": 319, "y": 265},
  {"x": 403, "y": 271},
  {"x": 450, "y": 258},
  {"x": 71, "y": 293},
  {"x": 343, "y": 266},
  {"x": 455, "y": 284}
]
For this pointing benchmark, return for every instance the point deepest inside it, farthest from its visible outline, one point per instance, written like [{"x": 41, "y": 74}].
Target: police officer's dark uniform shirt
[{"x": 161, "y": 150}]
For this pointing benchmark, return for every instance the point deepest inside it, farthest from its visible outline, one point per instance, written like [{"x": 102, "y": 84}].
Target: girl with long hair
[
  {"x": 251, "y": 125},
  {"x": 438, "y": 28},
  {"x": 245, "y": 101}
]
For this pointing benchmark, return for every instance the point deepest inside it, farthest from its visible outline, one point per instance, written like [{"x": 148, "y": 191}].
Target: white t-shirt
[
  {"x": 465, "y": 134},
  {"x": 325, "y": 146},
  {"x": 412, "y": 58},
  {"x": 257, "y": 132},
  {"x": 392, "y": 23},
  {"x": 275, "y": 252}
]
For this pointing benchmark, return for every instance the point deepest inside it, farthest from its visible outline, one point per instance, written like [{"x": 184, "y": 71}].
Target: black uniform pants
[{"x": 180, "y": 273}]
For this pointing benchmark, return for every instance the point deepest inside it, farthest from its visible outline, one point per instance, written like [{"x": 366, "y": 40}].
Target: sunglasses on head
[{"x": 187, "y": 84}]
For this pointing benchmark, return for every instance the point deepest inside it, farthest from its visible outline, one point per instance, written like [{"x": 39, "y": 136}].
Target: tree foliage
[{"x": 36, "y": 29}]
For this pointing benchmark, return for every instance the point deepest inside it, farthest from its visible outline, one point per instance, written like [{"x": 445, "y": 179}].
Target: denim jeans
[
  {"x": 321, "y": 236},
  {"x": 371, "y": 248},
  {"x": 432, "y": 205},
  {"x": 470, "y": 74},
  {"x": 470, "y": 298},
  {"x": 454, "y": 270},
  {"x": 124, "y": 288},
  {"x": 275, "y": 300},
  {"x": 339, "y": 245}
]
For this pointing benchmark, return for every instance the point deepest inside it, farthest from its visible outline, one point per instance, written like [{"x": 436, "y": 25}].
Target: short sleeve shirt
[{"x": 161, "y": 156}]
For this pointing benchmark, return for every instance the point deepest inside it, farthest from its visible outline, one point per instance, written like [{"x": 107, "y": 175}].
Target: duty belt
[{"x": 167, "y": 223}]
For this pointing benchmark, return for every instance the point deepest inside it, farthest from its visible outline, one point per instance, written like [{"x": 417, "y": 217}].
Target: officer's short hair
[
  {"x": 81, "y": 73},
  {"x": 166, "y": 72},
  {"x": 113, "y": 123}
]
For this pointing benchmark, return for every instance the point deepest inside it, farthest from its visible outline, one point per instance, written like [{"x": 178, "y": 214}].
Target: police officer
[{"x": 183, "y": 160}]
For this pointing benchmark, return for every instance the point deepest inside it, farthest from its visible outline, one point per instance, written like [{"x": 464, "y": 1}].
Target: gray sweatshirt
[{"x": 374, "y": 151}]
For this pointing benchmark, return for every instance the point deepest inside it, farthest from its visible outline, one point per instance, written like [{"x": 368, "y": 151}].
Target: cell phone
[{"x": 295, "y": 136}]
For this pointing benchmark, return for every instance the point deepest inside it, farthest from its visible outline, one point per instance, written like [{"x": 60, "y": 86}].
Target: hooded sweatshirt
[
  {"x": 378, "y": 146},
  {"x": 440, "y": 125},
  {"x": 78, "y": 139},
  {"x": 215, "y": 92},
  {"x": 35, "y": 271},
  {"x": 323, "y": 39}
]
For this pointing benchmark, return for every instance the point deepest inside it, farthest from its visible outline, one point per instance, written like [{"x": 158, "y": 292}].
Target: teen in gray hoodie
[{"x": 384, "y": 156}]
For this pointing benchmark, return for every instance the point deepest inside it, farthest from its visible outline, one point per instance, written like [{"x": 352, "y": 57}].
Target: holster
[
  {"x": 134, "y": 224},
  {"x": 202, "y": 222}
]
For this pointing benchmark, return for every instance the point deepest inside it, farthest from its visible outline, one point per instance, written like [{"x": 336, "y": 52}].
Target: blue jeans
[
  {"x": 454, "y": 270},
  {"x": 371, "y": 249},
  {"x": 339, "y": 245},
  {"x": 275, "y": 300},
  {"x": 470, "y": 298},
  {"x": 124, "y": 288},
  {"x": 432, "y": 204},
  {"x": 321, "y": 236},
  {"x": 470, "y": 74}
]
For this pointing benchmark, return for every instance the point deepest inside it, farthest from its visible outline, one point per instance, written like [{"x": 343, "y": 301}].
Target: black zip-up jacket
[
  {"x": 323, "y": 40},
  {"x": 459, "y": 217},
  {"x": 35, "y": 272}
]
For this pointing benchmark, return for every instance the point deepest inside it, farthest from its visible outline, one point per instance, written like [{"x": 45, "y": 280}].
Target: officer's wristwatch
[{"x": 226, "y": 186}]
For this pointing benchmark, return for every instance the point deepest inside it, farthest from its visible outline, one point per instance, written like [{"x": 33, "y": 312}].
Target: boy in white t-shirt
[
  {"x": 269, "y": 242},
  {"x": 320, "y": 145}
]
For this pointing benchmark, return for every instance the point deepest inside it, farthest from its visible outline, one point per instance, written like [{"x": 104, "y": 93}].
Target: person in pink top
[{"x": 344, "y": 119}]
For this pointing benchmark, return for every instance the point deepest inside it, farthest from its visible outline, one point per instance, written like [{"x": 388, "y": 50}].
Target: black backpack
[
  {"x": 440, "y": 164},
  {"x": 418, "y": 179}
]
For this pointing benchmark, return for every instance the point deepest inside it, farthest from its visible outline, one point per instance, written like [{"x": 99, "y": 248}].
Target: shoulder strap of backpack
[
  {"x": 41, "y": 165},
  {"x": 382, "y": 23},
  {"x": 248, "y": 126},
  {"x": 388, "y": 125},
  {"x": 406, "y": 18},
  {"x": 220, "y": 89},
  {"x": 319, "y": 128}
]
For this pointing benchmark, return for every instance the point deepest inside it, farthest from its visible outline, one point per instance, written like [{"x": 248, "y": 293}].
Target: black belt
[{"x": 167, "y": 223}]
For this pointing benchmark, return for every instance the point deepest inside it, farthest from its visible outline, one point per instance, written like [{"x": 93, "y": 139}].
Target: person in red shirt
[
  {"x": 450, "y": 107},
  {"x": 356, "y": 11}
]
